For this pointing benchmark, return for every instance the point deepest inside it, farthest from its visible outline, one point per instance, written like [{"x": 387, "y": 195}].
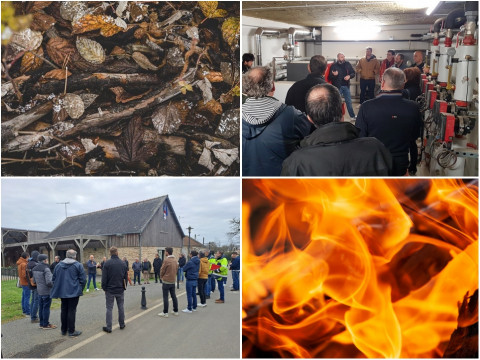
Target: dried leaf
[
  {"x": 89, "y": 22},
  {"x": 212, "y": 106},
  {"x": 57, "y": 74},
  {"x": 130, "y": 146},
  {"x": 69, "y": 10},
  {"x": 34, "y": 6},
  {"x": 31, "y": 62},
  {"x": 122, "y": 6},
  {"x": 42, "y": 22},
  {"x": 209, "y": 9},
  {"x": 123, "y": 97},
  {"x": 117, "y": 50},
  {"x": 192, "y": 32},
  {"x": 90, "y": 50},
  {"x": 226, "y": 156},
  {"x": 26, "y": 40},
  {"x": 214, "y": 76},
  {"x": 73, "y": 105},
  {"x": 167, "y": 119},
  {"x": 59, "y": 49},
  {"x": 206, "y": 88},
  {"x": 143, "y": 61},
  {"x": 93, "y": 166},
  {"x": 206, "y": 159},
  {"x": 88, "y": 99},
  {"x": 231, "y": 31}
]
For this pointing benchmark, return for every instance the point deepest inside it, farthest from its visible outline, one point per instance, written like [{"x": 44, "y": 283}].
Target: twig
[
  {"x": 38, "y": 56},
  {"x": 18, "y": 94}
]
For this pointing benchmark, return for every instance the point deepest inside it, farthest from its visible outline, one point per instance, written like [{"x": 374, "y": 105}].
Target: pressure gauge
[{"x": 451, "y": 51}]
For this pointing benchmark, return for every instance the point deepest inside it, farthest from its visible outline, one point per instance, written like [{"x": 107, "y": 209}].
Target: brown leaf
[
  {"x": 31, "y": 62},
  {"x": 57, "y": 74},
  {"x": 90, "y": 50},
  {"x": 42, "y": 22},
  {"x": 143, "y": 61},
  {"x": 130, "y": 145},
  {"x": 209, "y": 9},
  {"x": 231, "y": 31},
  {"x": 117, "y": 50},
  {"x": 59, "y": 49},
  {"x": 123, "y": 97},
  {"x": 212, "y": 106},
  {"x": 106, "y": 25},
  {"x": 34, "y": 6},
  {"x": 214, "y": 76}
]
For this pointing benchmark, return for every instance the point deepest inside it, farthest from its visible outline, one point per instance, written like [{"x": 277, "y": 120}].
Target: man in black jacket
[
  {"x": 340, "y": 74},
  {"x": 297, "y": 92},
  {"x": 393, "y": 120},
  {"x": 114, "y": 283},
  {"x": 157, "y": 265},
  {"x": 32, "y": 262},
  {"x": 334, "y": 148}
]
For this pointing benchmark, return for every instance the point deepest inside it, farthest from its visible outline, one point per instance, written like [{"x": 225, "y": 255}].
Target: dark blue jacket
[
  {"x": 265, "y": 146},
  {"x": 92, "y": 267},
  {"x": 68, "y": 279},
  {"x": 136, "y": 267},
  {"x": 297, "y": 93},
  {"x": 235, "y": 264},
  {"x": 192, "y": 268}
]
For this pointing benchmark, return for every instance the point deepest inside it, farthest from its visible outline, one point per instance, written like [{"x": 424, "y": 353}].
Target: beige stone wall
[{"x": 131, "y": 253}]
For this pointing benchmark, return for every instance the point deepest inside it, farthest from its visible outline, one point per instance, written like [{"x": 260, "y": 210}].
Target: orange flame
[{"x": 356, "y": 268}]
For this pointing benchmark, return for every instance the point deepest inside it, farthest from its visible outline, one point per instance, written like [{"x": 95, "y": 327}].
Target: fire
[{"x": 356, "y": 267}]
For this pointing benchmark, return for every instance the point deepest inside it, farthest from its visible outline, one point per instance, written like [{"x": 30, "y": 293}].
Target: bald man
[
  {"x": 418, "y": 59},
  {"x": 334, "y": 148}
]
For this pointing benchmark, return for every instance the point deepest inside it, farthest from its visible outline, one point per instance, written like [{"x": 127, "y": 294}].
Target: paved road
[{"x": 210, "y": 332}]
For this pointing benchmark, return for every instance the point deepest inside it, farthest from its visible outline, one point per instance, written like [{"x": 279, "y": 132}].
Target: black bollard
[{"x": 144, "y": 299}]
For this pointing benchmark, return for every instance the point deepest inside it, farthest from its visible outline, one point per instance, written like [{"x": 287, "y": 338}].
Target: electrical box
[
  {"x": 447, "y": 127},
  {"x": 297, "y": 70}
]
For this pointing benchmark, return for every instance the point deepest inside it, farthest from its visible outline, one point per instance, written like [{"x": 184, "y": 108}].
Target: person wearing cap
[
  {"x": 32, "y": 262},
  {"x": 68, "y": 282},
  {"x": 43, "y": 278}
]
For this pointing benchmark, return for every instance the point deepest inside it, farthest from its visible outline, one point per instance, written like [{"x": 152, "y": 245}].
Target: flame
[{"x": 356, "y": 267}]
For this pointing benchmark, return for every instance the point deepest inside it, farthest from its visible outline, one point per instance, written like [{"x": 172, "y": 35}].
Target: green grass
[{"x": 12, "y": 301}]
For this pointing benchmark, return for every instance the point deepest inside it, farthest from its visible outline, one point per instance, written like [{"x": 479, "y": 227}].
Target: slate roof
[
  {"x": 126, "y": 219},
  {"x": 193, "y": 242}
]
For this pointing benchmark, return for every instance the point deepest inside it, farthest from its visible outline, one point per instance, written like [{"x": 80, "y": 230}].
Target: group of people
[
  {"x": 66, "y": 280},
  {"x": 306, "y": 135}
]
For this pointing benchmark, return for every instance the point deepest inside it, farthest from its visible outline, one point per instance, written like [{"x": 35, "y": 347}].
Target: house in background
[
  {"x": 194, "y": 245},
  {"x": 138, "y": 230},
  {"x": 16, "y": 241}
]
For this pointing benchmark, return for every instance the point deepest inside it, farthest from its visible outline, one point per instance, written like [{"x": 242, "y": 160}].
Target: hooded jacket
[
  {"x": 368, "y": 69},
  {"x": 68, "y": 279},
  {"x": 114, "y": 275},
  {"x": 43, "y": 278},
  {"x": 192, "y": 268},
  {"x": 204, "y": 268},
  {"x": 270, "y": 132},
  {"x": 22, "y": 273},
  {"x": 335, "y": 149},
  {"x": 169, "y": 270}
]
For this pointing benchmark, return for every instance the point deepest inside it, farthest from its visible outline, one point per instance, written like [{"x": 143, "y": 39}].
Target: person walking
[
  {"x": 191, "y": 270},
  {"x": 157, "y": 265},
  {"x": 235, "y": 269},
  {"x": 43, "y": 278},
  {"x": 146, "y": 267},
  {"x": 24, "y": 283},
  {"x": 181, "y": 263},
  {"x": 128, "y": 270},
  {"x": 203, "y": 278},
  {"x": 168, "y": 273},
  {"x": 68, "y": 282},
  {"x": 32, "y": 262},
  {"x": 114, "y": 283},
  {"x": 220, "y": 273},
  {"x": 137, "y": 268},
  {"x": 92, "y": 272}
]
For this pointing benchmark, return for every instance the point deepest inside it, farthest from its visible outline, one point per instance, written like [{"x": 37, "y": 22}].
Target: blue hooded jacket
[
  {"x": 192, "y": 268},
  {"x": 68, "y": 279}
]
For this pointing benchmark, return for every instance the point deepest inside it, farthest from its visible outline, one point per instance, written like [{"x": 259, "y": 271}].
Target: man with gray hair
[
  {"x": 334, "y": 148},
  {"x": 68, "y": 282},
  {"x": 270, "y": 130},
  {"x": 392, "y": 119}
]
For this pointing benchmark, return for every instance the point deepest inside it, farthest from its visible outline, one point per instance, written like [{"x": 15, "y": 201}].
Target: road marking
[{"x": 99, "y": 335}]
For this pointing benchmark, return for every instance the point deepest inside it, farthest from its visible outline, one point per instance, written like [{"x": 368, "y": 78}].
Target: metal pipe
[{"x": 258, "y": 42}]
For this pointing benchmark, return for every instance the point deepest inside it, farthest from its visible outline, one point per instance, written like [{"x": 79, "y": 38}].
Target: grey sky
[{"x": 206, "y": 204}]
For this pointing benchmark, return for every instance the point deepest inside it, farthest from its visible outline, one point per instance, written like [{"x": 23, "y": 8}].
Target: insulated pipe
[
  {"x": 437, "y": 26},
  {"x": 258, "y": 42},
  {"x": 454, "y": 20},
  {"x": 471, "y": 12},
  {"x": 292, "y": 32}
]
